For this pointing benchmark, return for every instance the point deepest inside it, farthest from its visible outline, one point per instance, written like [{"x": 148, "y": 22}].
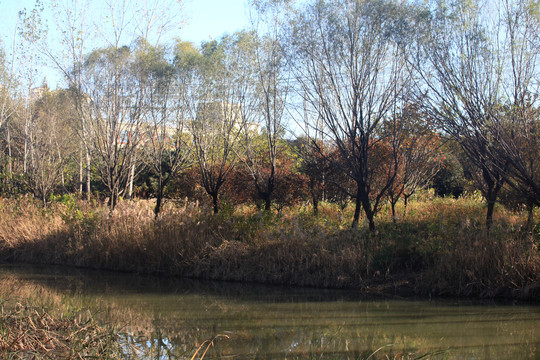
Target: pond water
[{"x": 170, "y": 318}]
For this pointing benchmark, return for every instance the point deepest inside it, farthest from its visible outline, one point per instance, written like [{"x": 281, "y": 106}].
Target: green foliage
[
  {"x": 13, "y": 185},
  {"x": 79, "y": 217},
  {"x": 449, "y": 179}
]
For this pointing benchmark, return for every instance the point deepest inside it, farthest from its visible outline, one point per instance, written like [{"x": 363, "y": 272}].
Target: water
[{"x": 167, "y": 318}]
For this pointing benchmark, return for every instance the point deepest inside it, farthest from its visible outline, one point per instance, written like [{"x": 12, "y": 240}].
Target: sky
[
  {"x": 203, "y": 20},
  {"x": 209, "y": 19}
]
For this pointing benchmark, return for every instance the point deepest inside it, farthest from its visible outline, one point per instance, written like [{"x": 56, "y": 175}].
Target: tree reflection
[{"x": 182, "y": 320}]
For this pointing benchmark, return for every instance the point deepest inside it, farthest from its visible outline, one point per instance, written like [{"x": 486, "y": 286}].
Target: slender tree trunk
[
  {"x": 405, "y": 203},
  {"x": 270, "y": 189},
  {"x": 159, "y": 200},
  {"x": 357, "y": 209},
  {"x": 265, "y": 194},
  {"x": 393, "y": 207},
  {"x": 370, "y": 215},
  {"x": 494, "y": 185},
  {"x": 131, "y": 178},
  {"x": 81, "y": 176},
  {"x": 113, "y": 199},
  {"x": 10, "y": 163},
  {"x": 491, "y": 198},
  {"x": 362, "y": 201},
  {"x": 88, "y": 189},
  {"x": 130, "y": 185},
  {"x": 159, "y": 197},
  {"x": 315, "y": 201},
  {"x": 215, "y": 201},
  {"x": 25, "y": 155},
  {"x": 314, "y": 196}
]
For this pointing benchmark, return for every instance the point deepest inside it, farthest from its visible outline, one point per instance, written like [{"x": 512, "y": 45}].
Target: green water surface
[{"x": 170, "y": 318}]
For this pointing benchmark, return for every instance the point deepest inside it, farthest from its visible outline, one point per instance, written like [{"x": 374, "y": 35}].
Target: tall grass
[
  {"x": 439, "y": 247},
  {"x": 39, "y": 324}
]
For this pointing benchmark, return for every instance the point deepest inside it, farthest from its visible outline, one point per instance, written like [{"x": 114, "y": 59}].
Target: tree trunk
[
  {"x": 131, "y": 178},
  {"x": 81, "y": 176},
  {"x": 370, "y": 215},
  {"x": 315, "y": 200},
  {"x": 113, "y": 199},
  {"x": 393, "y": 207},
  {"x": 113, "y": 191},
  {"x": 25, "y": 154},
  {"x": 265, "y": 194},
  {"x": 88, "y": 189},
  {"x": 215, "y": 202},
  {"x": 267, "y": 203},
  {"x": 10, "y": 164},
  {"x": 494, "y": 185},
  {"x": 362, "y": 201},
  {"x": 405, "y": 203},
  {"x": 490, "y": 209},
  {"x": 357, "y": 209},
  {"x": 159, "y": 197},
  {"x": 314, "y": 195}
]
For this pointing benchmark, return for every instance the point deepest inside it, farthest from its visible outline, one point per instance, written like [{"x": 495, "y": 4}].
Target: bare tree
[
  {"x": 31, "y": 30},
  {"x": 6, "y": 87},
  {"x": 515, "y": 127},
  {"x": 124, "y": 23},
  {"x": 51, "y": 143},
  {"x": 418, "y": 156},
  {"x": 116, "y": 91},
  {"x": 72, "y": 18},
  {"x": 168, "y": 142},
  {"x": 220, "y": 107},
  {"x": 270, "y": 88},
  {"x": 7, "y": 101},
  {"x": 347, "y": 61},
  {"x": 458, "y": 61}
]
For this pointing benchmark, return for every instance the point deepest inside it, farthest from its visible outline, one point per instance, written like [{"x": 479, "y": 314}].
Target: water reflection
[{"x": 168, "y": 318}]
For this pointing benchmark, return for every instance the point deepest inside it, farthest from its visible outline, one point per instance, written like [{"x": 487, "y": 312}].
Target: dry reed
[{"x": 439, "y": 247}]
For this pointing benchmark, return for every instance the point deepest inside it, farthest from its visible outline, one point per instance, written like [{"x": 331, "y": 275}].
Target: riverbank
[{"x": 439, "y": 248}]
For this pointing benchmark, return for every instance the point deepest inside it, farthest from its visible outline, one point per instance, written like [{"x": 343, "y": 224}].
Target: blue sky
[
  {"x": 207, "y": 19},
  {"x": 203, "y": 20}
]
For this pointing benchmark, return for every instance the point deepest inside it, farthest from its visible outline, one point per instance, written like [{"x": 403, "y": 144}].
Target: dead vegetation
[
  {"x": 441, "y": 247},
  {"x": 29, "y": 332}
]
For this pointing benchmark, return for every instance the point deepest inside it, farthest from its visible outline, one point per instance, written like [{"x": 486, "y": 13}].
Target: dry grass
[
  {"x": 37, "y": 323},
  {"x": 32, "y": 333},
  {"x": 439, "y": 247},
  {"x": 40, "y": 322}
]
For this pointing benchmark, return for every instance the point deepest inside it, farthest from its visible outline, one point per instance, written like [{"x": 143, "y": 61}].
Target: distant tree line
[{"x": 352, "y": 100}]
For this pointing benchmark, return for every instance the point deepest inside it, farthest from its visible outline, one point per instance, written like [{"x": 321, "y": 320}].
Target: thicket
[{"x": 438, "y": 247}]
